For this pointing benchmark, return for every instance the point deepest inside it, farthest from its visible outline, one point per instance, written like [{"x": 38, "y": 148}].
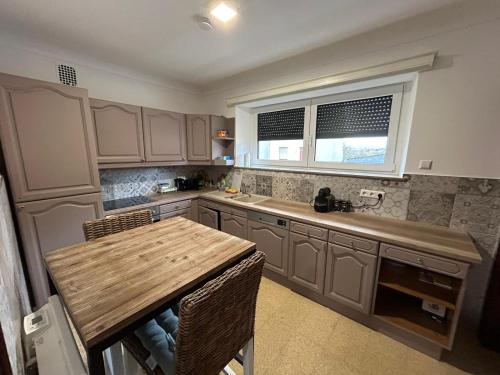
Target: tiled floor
[{"x": 297, "y": 336}]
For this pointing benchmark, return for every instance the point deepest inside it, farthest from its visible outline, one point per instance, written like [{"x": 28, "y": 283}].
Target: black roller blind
[
  {"x": 356, "y": 118},
  {"x": 281, "y": 125}
]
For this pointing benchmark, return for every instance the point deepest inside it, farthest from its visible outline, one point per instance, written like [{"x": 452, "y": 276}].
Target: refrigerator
[{"x": 48, "y": 145}]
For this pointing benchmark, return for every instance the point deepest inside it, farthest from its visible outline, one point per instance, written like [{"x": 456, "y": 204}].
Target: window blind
[
  {"x": 281, "y": 125},
  {"x": 356, "y": 118}
]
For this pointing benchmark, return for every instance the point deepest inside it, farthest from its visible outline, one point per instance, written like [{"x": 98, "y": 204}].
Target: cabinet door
[
  {"x": 208, "y": 217},
  {"x": 235, "y": 225},
  {"x": 118, "y": 130},
  {"x": 51, "y": 224},
  {"x": 273, "y": 242},
  {"x": 350, "y": 277},
  {"x": 47, "y": 138},
  {"x": 164, "y": 135},
  {"x": 194, "y": 210},
  {"x": 198, "y": 137},
  {"x": 306, "y": 262}
]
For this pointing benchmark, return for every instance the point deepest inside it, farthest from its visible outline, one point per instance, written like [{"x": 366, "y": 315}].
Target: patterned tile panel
[
  {"x": 472, "y": 213},
  {"x": 479, "y": 186},
  {"x": 436, "y": 184},
  {"x": 430, "y": 207},
  {"x": 264, "y": 185}
]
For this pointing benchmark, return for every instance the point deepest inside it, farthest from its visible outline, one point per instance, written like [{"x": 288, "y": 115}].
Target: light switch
[{"x": 425, "y": 164}]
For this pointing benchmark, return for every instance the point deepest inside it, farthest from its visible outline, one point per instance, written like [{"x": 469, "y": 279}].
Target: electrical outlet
[{"x": 371, "y": 193}]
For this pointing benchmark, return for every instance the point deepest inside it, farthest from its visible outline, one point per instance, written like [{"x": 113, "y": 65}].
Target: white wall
[
  {"x": 102, "y": 81},
  {"x": 457, "y": 113}
]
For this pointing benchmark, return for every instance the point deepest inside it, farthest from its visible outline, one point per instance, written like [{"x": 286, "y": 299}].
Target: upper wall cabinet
[
  {"x": 45, "y": 119},
  {"x": 198, "y": 135},
  {"x": 118, "y": 129},
  {"x": 164, "y": 135}
]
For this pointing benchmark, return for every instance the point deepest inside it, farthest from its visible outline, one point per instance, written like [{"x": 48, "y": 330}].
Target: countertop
[{"x": 418, "y": 236}]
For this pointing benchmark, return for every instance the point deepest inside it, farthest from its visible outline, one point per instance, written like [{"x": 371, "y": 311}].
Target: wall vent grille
[{"x": 67, "y": 74}]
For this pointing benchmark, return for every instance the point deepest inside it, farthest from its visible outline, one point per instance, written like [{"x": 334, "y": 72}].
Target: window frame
[
  {"x": 392, "y": 137},
  {"x": 399, "y": 125},
  {"x": 279, "y": 107}
]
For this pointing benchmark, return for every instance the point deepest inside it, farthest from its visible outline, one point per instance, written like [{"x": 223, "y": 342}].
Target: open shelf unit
[
  {"x": 401, "y": 290},
  {"x": 222, "y": 146}
]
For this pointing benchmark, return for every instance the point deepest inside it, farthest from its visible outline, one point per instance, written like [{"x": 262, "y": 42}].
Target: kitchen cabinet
[
  {"x": 51, "y": 224},
  {"x": 350, "y": 277},
  {"x": 164, "y": 135},
  {"x": 194, "y": 210},
  {"x": 208, "y": 217},
  {"x": 273, "y": 241},
  {"x": 198, "y": 138},
  {"x": 47, "y": 138},
  {"x": 306, "y": 261},
  {"x": 232, "y": 224},
  {"x": 118, "y": 131}
]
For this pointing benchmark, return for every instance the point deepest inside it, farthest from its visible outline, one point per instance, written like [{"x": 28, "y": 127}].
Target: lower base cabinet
[
  {"x": 208, "y": 217},
  {"x": 350, "y": 277},
  {"x": 232, "y": 224},
  {"x": 272, "y": 241},
  {"x": 306, "y": 261},
  {"x": 50, "y": 224}
]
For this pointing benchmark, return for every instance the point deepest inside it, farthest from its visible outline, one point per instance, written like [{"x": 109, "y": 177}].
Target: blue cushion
[{"x": 159, "y": 340}]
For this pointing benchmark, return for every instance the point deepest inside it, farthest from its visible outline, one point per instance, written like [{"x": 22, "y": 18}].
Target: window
[
  {"x": 348, "y": 131},
  {"x": 281, "y": 135}
]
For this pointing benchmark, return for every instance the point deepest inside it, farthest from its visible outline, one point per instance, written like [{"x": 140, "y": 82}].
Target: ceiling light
[{"x": 223, "y": 12}]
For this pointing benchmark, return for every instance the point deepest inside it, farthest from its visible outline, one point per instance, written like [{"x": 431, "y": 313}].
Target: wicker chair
[
  {"x": 102, "y": 227},
  {"x": 116, "y": 223},
  {"x": 215, "y": 323}
]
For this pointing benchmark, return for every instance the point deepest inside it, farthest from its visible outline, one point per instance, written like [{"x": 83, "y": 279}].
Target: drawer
[
  {"x": 356, "y": 243},
  {"x": 430, "y": 262},
  {"x": 309, "y": 230},
  {"x": 185, "y": 213},
  {"x": 164, "y": 208},
  {"x": 233, "y": 211}
]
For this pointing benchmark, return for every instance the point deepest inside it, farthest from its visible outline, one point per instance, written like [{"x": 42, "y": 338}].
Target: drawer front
[
  {"x": 223, "y": 207},
  {"x": 309, "y": 230},
  {"x": 234, "y": 211},
  {"x": 184, "y": 213},
  {"x": 164, "y": 208},
  {"x": 430, "y": 262},
  {"x": 356, "y": 243}
]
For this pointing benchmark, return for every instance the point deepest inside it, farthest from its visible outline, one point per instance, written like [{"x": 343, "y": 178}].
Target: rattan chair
[
  {"x": 116, "y": 223},
  {"x": 216, "y": 322},
  {"x": 102, "y": 227}
]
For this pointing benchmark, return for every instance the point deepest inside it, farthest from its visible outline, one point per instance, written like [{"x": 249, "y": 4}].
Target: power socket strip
[{"x": 365, "y": 193}]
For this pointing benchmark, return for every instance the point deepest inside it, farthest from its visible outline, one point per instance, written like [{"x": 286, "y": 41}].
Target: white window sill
[{"x": 385, "y": 176}]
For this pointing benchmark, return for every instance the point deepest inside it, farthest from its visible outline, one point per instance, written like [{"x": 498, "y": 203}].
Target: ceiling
[{"x": 160, "y": 37}]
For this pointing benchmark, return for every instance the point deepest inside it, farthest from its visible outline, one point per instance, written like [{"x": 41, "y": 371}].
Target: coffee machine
[{"x": 324, "y": 201}]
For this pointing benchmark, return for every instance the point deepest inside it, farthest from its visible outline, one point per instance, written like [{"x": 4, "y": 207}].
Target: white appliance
[{"x": 47, "y": 333}]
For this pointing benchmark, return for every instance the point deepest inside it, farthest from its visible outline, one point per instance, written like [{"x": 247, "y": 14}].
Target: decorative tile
[
  {"x": 294, "y": 189},
  {"x": 394, "y": 205},
  {"x": 436, "y": 184},
  {"x": 264, "y": 185},
  {"x": 488, "y": 243},
  {"x": 479, "y": 186},
  {"x": 430, "y": 207},
  {"x": 472, "y": 213},
  {"x": 249, "y": 183}
]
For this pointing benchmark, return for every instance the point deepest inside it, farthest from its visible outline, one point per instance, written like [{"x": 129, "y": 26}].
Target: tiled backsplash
[
  {"x": 463, "y": 204},
  {"x": 130, "y": 182}
]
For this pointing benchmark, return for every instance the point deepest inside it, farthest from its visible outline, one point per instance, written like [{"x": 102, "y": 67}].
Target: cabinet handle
[
  {"x": 21, "y": 206},
  {"x": 420, "y": 260}
]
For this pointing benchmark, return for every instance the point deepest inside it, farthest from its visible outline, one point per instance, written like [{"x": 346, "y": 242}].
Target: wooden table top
[{"x": 108, "y": 283}]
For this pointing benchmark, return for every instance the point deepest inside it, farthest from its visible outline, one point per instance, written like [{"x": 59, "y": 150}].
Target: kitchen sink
[{"x": 250, "y": 198}]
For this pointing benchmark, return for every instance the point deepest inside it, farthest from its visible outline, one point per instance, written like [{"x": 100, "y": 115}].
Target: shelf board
[
  {"x": 405, "y": 312},
  {"x": 223, "y": 138},
  {"x": 406, "y": 280},
  {"x": 222, "y": 162}
]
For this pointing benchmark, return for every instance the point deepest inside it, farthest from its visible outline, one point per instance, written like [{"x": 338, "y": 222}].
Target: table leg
[{"x": 95, "y": 362}]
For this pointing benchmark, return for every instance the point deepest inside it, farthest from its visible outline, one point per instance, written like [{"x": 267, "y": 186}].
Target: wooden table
[{"x": 112, "y": 285}]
